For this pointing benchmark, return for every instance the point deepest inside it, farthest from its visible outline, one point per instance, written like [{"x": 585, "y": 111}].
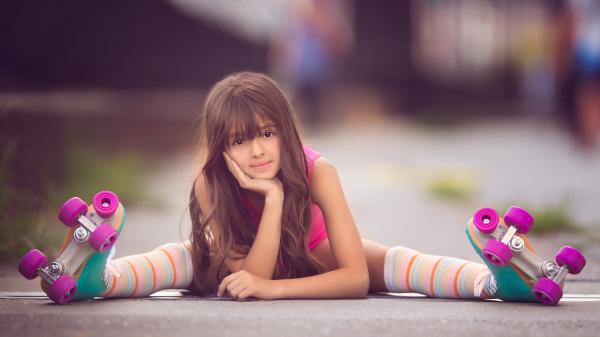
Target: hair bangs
[{"x": 246, "y": 119}]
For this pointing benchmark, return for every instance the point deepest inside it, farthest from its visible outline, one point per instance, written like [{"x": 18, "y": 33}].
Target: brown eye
[
  {"x": 268, "y": 134},
  {"x": 238, "y": 141}
]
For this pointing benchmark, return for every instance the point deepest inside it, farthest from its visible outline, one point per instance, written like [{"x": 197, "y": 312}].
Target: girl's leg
[
  {"x": 400, "y": 269},
  {"x": 167, "y": 267}
]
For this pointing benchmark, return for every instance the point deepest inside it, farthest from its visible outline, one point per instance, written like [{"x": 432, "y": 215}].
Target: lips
[{"x": 261, "y": 165}]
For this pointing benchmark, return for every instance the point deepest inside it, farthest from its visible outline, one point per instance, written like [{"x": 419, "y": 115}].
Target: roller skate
[
  {"x": 78, "y": 270},
  {"x": 519, "y": 272}
]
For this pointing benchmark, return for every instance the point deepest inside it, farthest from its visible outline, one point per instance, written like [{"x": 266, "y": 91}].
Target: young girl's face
[{"x": 258, "y": 157}]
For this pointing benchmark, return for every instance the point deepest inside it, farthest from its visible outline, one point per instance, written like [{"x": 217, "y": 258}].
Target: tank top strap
[{"x": 311, "y": 156}]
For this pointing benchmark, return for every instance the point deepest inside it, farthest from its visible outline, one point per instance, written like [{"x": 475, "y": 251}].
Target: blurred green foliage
[
  {"x": 462, "y": 185},
  {"x": 454, "y": 184},
  {"x": 552, "y": 219},
  {"x": 88, "y": 172},
  {"x": 25, "y": 226},
  {"x": 20, "y": 228},
  {"x": 549, "y": 219}
]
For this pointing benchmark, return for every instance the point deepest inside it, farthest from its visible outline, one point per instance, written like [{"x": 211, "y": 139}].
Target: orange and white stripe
[
  {"x": 407, "y": 270},
  {"x": 167, "y": 267}
]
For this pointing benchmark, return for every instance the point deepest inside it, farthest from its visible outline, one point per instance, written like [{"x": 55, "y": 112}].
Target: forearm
[
  {"x": 262, "y": 257},
  {"x": 339, "y": 283}
]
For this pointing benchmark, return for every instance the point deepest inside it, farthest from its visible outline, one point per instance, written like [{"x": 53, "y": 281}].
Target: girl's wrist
[
  {"x": 277, "y": 288},
  {"x": 274, "y": 197}
]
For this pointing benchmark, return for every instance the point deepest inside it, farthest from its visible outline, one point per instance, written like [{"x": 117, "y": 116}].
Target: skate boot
[
  {"x": 78, "y": 270},
  {"x": 520, "y": 273}
]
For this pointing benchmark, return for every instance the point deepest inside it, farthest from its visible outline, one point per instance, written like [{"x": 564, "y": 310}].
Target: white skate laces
[
  {"x": 106, "y": 278},
  {"x": 108, "y": 274},
  {"x": 485, "y": 282},
  {"x": 110, "y": 271},
  {"x": 491, "y": 286}
]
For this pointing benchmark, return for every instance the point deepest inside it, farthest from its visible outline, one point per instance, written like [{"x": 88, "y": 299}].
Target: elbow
[
  {"x": 364, "y": 287},
  {"x": 360, "y": 283},
  {"x": 361, "y": 288}
]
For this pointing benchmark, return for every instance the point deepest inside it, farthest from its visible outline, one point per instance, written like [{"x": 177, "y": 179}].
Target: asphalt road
[{"x": 374, "y": 316}]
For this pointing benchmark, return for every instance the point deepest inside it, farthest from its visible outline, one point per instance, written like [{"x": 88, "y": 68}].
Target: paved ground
[
  {"x": 386, "y": 170},
  {"x": 375, "y": 316}
]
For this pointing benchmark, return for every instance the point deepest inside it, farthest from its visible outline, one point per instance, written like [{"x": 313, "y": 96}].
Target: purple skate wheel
[
  {"x": 497, "y": 253},
  {"x": 103, "y": 237},
  {"x": 571, "y": 258},
  {"x": 547, "y": 291},
  {"x": 62, "y": 290},
  {"x": 519, "y": 218},
  {"x": 486, "y": 220},
  {"x": 71, "y": 210},
  {"x": 105, "y": 203},
  {"x": 30, "y": 263}
]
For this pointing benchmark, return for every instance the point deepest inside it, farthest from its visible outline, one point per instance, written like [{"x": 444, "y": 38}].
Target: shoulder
[
  {"x": 316, "y": 161},
  {"x": 325, "y": 179},
  {"x": 322, "y": 167},
  {"x": 310, "y": 153}
]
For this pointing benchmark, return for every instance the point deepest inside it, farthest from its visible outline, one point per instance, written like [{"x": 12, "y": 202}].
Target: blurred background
[{"x": 429, "y": 109}]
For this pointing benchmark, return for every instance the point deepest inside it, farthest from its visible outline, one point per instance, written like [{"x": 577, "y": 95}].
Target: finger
[
  {"x": 220, "y": 289},
  {"x": 228, "y": 162},
  {"x": 232, "y": 285},
  {"x": 235, "y": 169},
  {"x": 240, "y": 280},
  {"x": 238, "y": 169},
  {"x": 244, "y": 294},
  {"x": 236, "y": 290},
  {"x": 226, "y": 282}
]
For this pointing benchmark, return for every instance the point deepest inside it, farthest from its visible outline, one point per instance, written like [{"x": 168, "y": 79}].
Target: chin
[{"x": 265, "y": 175}]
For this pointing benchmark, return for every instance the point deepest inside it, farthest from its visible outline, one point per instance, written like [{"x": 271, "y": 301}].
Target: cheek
[
  {"x": 237, "y": 154},
  {"x": 239, "y": 150}
]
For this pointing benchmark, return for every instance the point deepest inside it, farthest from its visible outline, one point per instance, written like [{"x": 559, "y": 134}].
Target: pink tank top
[{"x": 318, "y": 231}]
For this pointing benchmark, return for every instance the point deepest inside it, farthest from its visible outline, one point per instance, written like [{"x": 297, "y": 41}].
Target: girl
[
  {"x": 273, "y": 212},
  {"x": 270, "y": 221}
]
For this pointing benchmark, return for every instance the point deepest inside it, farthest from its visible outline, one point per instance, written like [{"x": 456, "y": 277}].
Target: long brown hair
[{"x": 241, "y": 102}]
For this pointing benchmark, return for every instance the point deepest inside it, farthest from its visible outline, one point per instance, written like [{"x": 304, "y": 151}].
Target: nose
[{"x": 256, "y": 147}]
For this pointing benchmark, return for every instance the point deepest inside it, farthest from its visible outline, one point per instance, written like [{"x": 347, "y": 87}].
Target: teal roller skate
[
  {"x": 78, "y": 271},
  {"x": 519, "y": 273}
]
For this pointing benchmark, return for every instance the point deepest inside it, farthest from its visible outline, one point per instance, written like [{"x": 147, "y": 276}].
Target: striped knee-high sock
[
  {"x": 407, "y": 270},
  {"x": 167, "y": 267}
]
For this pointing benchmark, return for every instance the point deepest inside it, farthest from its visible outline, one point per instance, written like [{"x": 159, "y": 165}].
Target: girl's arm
[
  {"x": 262, "y": 257},
  {"x": 351, "y": 279}
]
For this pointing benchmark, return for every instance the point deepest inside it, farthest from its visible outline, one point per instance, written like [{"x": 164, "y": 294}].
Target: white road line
[{"x": 184, "y": 295}]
